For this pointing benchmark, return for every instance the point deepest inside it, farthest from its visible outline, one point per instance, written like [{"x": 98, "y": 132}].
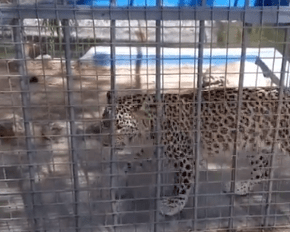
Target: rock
[{"x": 46, "y": 60}]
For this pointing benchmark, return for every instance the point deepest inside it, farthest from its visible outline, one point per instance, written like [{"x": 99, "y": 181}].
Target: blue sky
[{"x": 171, "y": 2}]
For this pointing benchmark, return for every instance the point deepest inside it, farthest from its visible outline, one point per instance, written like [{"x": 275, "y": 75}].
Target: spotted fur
[{"x": 136, "y": 117}]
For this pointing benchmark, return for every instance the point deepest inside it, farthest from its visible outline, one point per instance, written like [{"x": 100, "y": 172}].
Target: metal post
[
  {"x": 274, "y": 148},
  {"x": 159, "y": 115},
  {"x": 25, "y": 98},
  {"x": 238, "y": 115},
  {"x": 73, "y": 143},
  {"x": 198, "y": 114},
  {"x": 112, "y": 122}
]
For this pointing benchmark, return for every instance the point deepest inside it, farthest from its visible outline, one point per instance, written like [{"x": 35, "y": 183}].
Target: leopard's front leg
[{"x": 184, "y": 179}]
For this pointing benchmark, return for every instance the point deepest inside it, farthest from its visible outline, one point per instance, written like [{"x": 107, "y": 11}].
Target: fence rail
[{"x": 254, "y": 15}]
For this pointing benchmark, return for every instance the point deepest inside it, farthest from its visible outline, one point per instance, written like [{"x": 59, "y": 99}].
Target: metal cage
[{"x": 65, "y": 67}]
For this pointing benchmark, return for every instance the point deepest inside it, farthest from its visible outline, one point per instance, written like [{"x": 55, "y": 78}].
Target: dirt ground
[
  {"x": 52, "y": 158},
  {"x": 90, "y": 84}
]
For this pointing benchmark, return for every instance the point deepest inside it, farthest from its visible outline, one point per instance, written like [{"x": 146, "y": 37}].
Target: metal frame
[{"x": 271, "y": 15}]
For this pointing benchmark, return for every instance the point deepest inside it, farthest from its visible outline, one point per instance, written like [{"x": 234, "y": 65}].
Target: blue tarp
[
  {"x": 272, "y": 3},
  {"x": 184, "y": 3}
]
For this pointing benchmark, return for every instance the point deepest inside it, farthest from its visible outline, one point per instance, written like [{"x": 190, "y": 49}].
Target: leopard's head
[{"x": 132, "y": 140}]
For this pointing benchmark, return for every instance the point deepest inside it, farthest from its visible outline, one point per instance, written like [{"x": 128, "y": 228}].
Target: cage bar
[
  {"x": 238, "y": 118},
  {"x": 25, "y": 97},
  {"x": 282, "y": 90},
  {"x": 112, "y": 123},
  {"x": 159, "y": 116},
  {"x": 74, "y": 148},
  {"x": 198, "y": 115}
]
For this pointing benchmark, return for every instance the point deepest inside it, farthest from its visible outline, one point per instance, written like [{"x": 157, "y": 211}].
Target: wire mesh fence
[{"x": 144, "y": 118}]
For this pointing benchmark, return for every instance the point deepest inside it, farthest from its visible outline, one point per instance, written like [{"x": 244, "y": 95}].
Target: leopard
[{"x": 224, "y": 131}]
